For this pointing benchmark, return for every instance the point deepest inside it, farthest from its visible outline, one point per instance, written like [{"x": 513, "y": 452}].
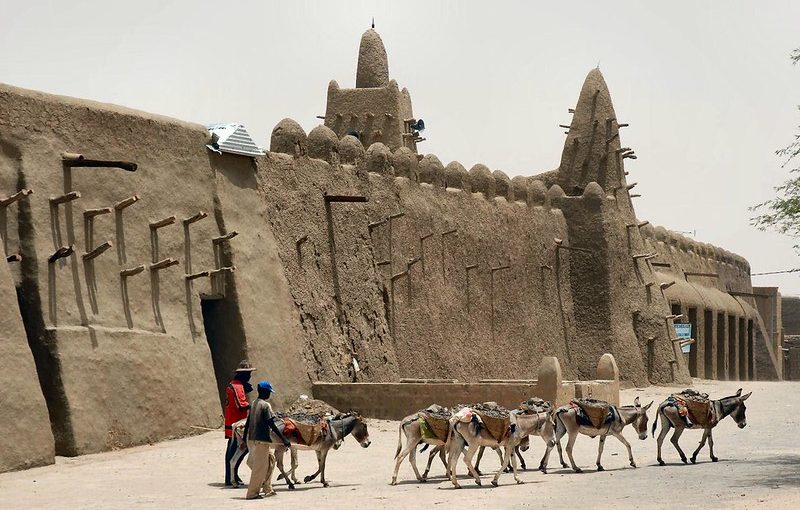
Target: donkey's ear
[
  {"x": 636, "y": 402},
  {"x": 739, "y": 392},
  {"x": 745, "y": 397},
  {"x": 648, "y": 405}
]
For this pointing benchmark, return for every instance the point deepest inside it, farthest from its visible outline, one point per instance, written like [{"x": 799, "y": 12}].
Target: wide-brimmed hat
[{"x": 244, "y": 366}]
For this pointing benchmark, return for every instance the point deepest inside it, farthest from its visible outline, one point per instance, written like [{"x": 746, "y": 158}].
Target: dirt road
[{"x": 759, "y": 468}]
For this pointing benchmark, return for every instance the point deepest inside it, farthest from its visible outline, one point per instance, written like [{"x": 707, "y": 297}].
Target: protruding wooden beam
[
  {"x": 16, "y": 257},
  {"x": 197, "y": 217},
  {"x": 64, "y": 251},
  {"x": 122, "y": 204},
  {"x": 163, "y": 264},
  {"x": 162, "y": 223},
  {"x": 4, "y": 202},
  {"x": 99, "y": 250},
  {"x": 78, "y": 160},
  {"x": 195, "y": 276},
  {"x": 666, "y": 285},
  {"x": 344, "y": 198},
  {"x": 225, "y": 237},
  {"x": 131, "y": 271},
  {"x": 91, "y": 213},
  {"x": 67, "y": 197}
]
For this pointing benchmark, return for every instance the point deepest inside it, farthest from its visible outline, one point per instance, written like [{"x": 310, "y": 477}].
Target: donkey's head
[
  {"x": 360, "y": 432},
  {"x": 738, "y": 413},
  {"x": 640, "y": 422}
]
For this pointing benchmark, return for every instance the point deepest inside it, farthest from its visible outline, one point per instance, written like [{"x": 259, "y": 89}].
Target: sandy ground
[{"x": 759, "y": 468}]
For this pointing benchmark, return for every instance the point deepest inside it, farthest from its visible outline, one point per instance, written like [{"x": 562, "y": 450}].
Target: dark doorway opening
[
  {"x": 693, "y": 348},
  {"x": 750, "y": 372},
  {"x": 720, "y": 343},
  {"x": 742, "y": 350},
  {"x": 732, "y": 369},
  {"x": 226, "y": 340},
  {"x": 708, "y": 344}
]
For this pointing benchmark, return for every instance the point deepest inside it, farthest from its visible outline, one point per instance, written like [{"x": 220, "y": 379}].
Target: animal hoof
[
  {"x": 393, "y": 482},
  {"x": 564, "y": 465},
  {"x": 520, "y": 482},
  {"x": 280, "y": 477},
  {"x": 307, "y": 479},
  {"x": 456, "y": 486},
  {"x": 694, "y": 460},
  {"x": 684, "y": 460},
  {"x": 478, "y": 483},
  {"x": 578, "y": 470},
  {"x": 714, "y": 459},
  {"x": 633, "y": 464},
  {"x": 600, "y": 468},
  {"x": 291, "y": 487},
  {"x": 325, "y": 484},
  {"x": 494, "y": 482},
  {"x": 661, "y": 462}
]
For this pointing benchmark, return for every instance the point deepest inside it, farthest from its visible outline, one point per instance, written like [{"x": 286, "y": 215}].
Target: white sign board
[{"x": 684, "y": 331}]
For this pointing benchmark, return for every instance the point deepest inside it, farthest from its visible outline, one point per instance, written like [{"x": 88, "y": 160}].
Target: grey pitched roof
[{"x": 234, "y": 139}]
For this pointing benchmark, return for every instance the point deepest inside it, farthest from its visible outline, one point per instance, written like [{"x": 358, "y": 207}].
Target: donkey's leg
[
  {"x": 624, "y": 441},
  {"x": 674, "y": 440},
  {"x": 600, "y": 452},
  {"x": 561, "y": 429},
  {"x": 504, "y": 464},
  {"x": 435, "y": 450},
  {"x": 471, "y": 450},
  {"x": 518, "y": 452},
  {"x": 443, "y": 457},
  {"x": 702, "y": 444},
  {"x": 573, "y": 434},
  {"x": 514, "y": 465},
  {"x": 478, "y": 460},
  {"x": 665, "y": 425},
  {"x": 319, "y": 468},
  {"x": 401, "y": 457},
  {"x": 323, "y": 455},
  {"x": 412, "y": 458},
  {"x": 456, "y": 445},
  {"x": 711, "y": 446},
  {"x": 293, "y": 472},
  {"x": 280, "y": 452}
]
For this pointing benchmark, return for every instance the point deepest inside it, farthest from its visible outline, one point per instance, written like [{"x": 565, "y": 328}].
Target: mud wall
[{"x": 112, "y": 288}]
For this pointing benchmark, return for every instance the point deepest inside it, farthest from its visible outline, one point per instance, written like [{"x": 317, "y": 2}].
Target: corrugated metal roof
[{"x": 233, "y": 138}]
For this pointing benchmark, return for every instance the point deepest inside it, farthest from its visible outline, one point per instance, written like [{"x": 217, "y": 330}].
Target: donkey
[
  {"x": 338, "y": 428},
  {"x": 567, "y": 423},
  {"x": 524, "y": 446},
  {"x": 472, "y": 434},
  {"x": 411, "y": 429},
  {"x": 733, "y": 406}
]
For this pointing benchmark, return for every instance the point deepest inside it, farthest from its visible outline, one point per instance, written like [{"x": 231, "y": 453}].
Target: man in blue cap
[{"x": 257, "y": 434}]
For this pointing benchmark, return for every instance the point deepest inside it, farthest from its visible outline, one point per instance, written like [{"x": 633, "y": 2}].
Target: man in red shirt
[{"x": 236, "y": 408}]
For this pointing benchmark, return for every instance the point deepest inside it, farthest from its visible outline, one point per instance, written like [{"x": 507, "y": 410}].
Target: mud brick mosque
[{"x": 146, "y": 256}]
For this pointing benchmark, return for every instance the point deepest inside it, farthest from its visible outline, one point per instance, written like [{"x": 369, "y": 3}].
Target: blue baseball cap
[{"x": 265, "y": 385}]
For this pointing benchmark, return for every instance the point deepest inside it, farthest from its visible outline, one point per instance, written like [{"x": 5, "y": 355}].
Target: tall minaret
[
  {"x": 373, "y": 66},
  {"x": 376, "y": 110}
]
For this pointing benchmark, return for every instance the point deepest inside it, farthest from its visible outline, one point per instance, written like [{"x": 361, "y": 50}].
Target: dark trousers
[{"x": 233, "y": 458}]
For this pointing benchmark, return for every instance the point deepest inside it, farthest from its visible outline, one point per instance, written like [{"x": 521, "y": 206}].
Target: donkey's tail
[
  {"x": 399, "y": 439},
  {"x": 560, "y": 427},
  {"x": 655, "y": 422}
]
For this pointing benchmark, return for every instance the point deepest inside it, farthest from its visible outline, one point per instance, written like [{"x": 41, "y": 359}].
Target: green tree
[{"x": 782, "y": 213}]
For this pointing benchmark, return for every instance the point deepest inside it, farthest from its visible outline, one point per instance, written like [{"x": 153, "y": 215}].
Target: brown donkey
[{"x": 670, "y": 417}]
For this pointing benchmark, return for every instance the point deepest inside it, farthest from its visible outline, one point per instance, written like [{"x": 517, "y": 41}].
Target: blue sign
[{"x": 684, "y": 331}]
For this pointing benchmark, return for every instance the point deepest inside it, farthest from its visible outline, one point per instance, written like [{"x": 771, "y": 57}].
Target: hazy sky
[{"x": 707, "y": 87}]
